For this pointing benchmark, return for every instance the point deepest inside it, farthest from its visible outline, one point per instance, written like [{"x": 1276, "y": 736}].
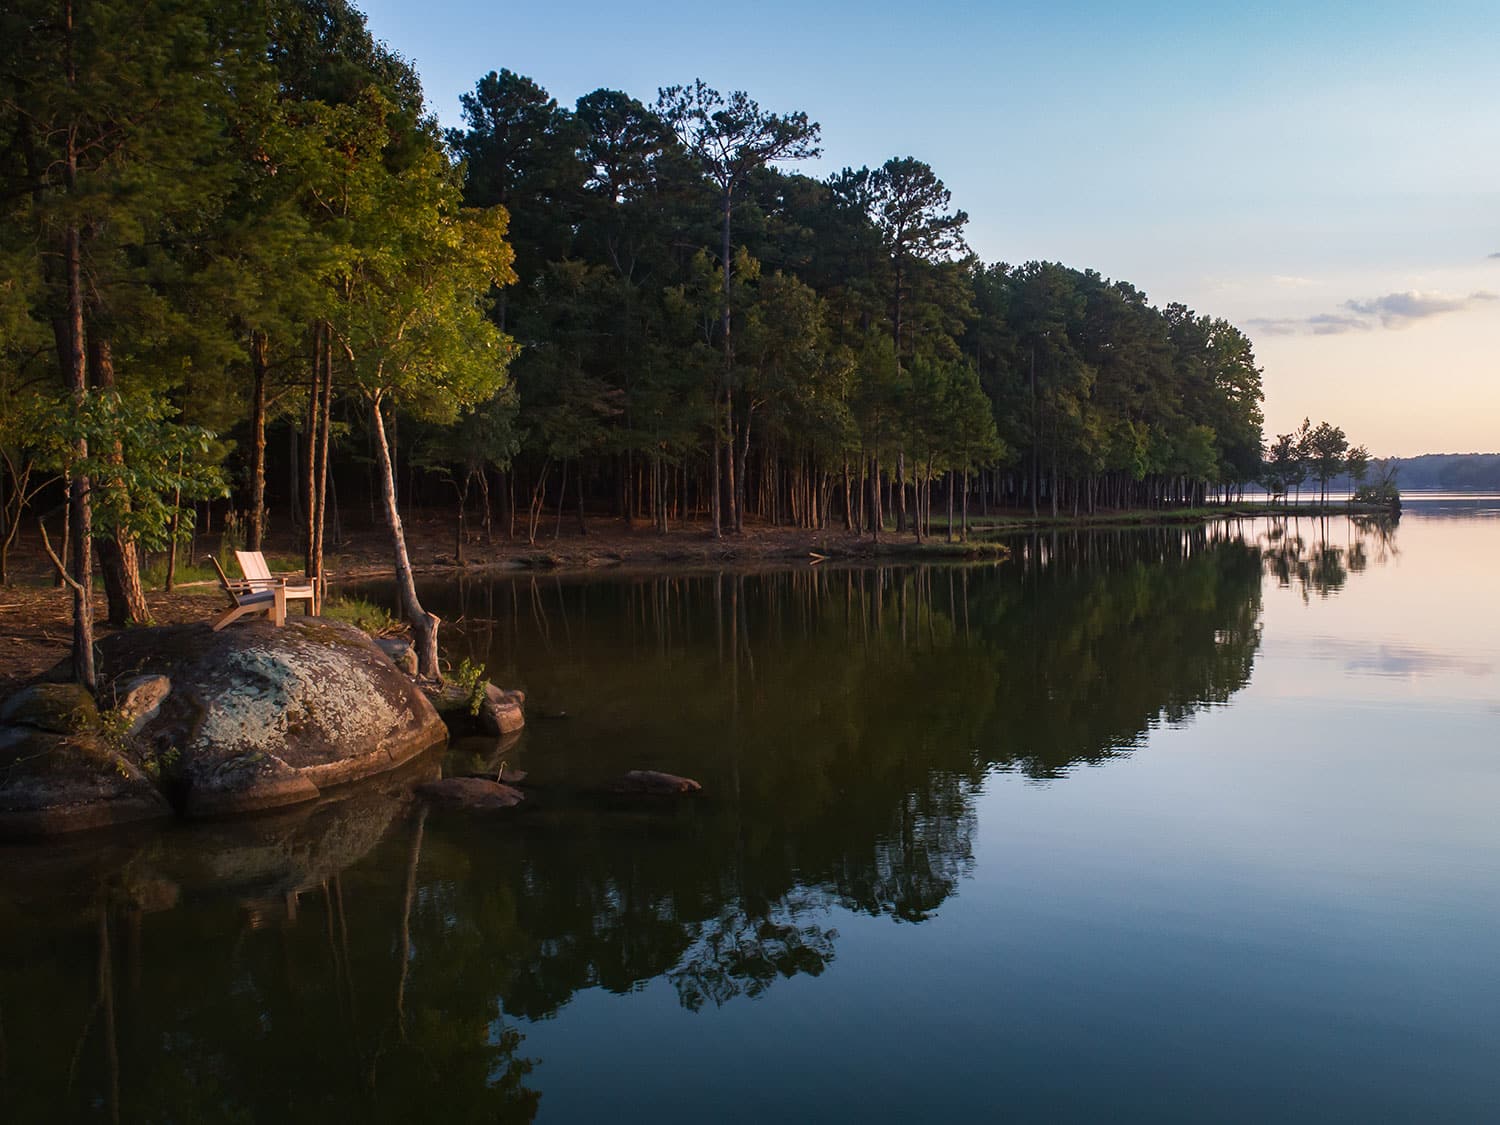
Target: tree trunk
[
  {"x": 951, "y": 476},
  {"x": 848, "y": 499},
  {"x": 424, "y": 625},
  {"x": 534, "y": 509},
  {"x": 901, "y": 491},
  {"x": 118, "y": 558},
  {"x": 310, "y": 451},
  {"x": 325, "y": 439},
  {"x": 484, "y": 500},
  {"x": 255, "y": 536},
  {"x": 739, "y": 476},
  {"x": 461, "y": 532},
  {"x": 68, "y": 330},
  {"x": 964, "y": 535},
  {"x": 175, "y": 528}
]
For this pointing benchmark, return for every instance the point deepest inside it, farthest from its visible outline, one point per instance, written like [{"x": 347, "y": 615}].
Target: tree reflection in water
[
  {"x": 358, "y": 956},
  {"x": 1304, "y": 553}
]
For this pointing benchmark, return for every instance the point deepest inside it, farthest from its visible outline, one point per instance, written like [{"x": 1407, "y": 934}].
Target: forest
[{"x": 243, "y": 269}]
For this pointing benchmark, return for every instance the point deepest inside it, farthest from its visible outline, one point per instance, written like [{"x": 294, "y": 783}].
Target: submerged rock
[
  {"x": 655, "y": 783},
  {"x": 476, "y": 794}
]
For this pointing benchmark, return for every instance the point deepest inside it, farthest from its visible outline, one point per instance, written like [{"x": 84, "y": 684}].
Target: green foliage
[
  {"x": 470, "y": 679},
  {"x": 140, "y": 458},
  {"x": 362, "y": 613}
]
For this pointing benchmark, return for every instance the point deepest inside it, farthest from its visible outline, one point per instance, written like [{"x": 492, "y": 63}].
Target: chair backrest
[
  {"x": 253, "y": 566},
  {"x": 223, "y": 578}
]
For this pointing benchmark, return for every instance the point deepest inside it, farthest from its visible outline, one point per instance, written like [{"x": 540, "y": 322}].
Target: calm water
[{"x": 1162, "y": 825}]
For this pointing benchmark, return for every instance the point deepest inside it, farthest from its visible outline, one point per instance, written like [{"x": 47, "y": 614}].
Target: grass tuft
[{"x": 362, "y": 614}]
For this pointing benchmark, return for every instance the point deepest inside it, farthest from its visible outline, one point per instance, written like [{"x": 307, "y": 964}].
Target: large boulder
[{"x": 259, "y": 717}]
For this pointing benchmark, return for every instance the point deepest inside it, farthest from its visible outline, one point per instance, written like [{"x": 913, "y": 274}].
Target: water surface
[{"x": 1141, "y": 825}]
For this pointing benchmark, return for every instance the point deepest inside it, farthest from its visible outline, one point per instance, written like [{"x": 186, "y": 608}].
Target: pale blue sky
[{"x": 1290, "y": 166}]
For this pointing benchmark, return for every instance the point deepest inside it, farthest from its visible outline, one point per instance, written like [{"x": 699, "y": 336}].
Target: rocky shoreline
[{"x": 197, "y": 724}]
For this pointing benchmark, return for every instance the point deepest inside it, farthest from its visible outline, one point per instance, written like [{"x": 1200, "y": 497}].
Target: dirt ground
[{"x": 36, "y": 616}]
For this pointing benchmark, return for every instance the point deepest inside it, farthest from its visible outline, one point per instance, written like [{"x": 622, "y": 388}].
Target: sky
[{"x": 1324, "y": 175}]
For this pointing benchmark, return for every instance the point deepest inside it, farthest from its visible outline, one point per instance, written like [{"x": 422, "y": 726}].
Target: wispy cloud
[
  {"x": 1397, "y": 309},
  {"x": 1331, "y": 324},
  {"x": 1394, "y": 310},
  {"x": 1496, "y": 254}
]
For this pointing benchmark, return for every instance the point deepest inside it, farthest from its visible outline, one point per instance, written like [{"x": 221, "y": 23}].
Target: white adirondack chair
[
  {"x": 248, "y": 599},
  {"x": 293, "y": 587}
]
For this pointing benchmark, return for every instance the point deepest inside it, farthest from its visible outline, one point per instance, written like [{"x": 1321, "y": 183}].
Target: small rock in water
[
  {"x": 656, "y": 782},
  {"x": 501, "y": 712},
  {"x": 471, "y": 793}
]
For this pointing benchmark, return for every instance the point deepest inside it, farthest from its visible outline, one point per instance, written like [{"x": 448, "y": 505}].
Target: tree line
[{"x": 231, "y": 222}]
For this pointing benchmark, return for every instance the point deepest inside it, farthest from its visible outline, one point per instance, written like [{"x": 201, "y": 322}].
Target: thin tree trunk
[
  {"x": 484, "y": 500},
  {"x": 461, "y": 532},
  {"x": 951, "y": 476},
  {"x": 118, "y": 558},
  {"x": 424, "y": 625},
  {"x": 965, "y": 534},
  {"x": 325, "y": 439},
  {"x": 534, "y": 509},
  {"x": 310, "y": 452},
  {"x": 255, "y": 535},
  {"x": 68, "y": 330},
  {"x": 725, "y": 326},
  {"x": 739, "y": 476},
  {"x": 176, "y": 527},
  {"x": 901, "y": 491}
]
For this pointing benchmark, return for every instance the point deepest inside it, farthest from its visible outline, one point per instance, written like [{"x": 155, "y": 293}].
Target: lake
[{"x": 1167, "y": 824}]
